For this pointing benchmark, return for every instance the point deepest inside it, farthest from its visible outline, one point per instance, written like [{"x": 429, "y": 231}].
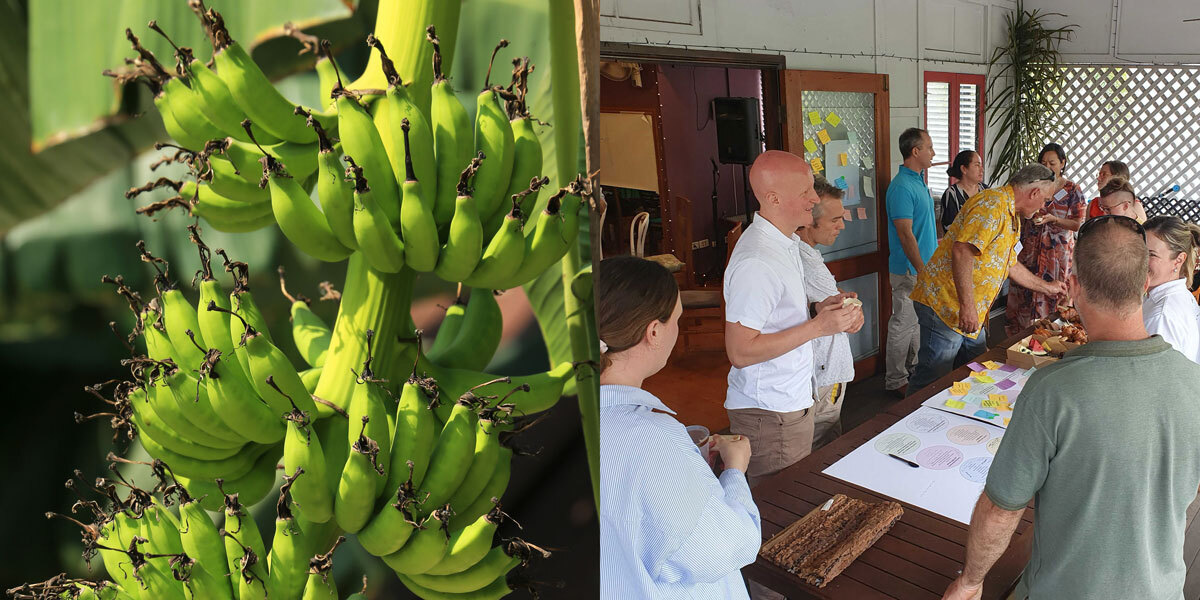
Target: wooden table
[{"x": 917, "y": 558}]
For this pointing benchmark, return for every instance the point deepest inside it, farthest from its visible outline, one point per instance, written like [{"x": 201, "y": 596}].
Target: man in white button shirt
[
  {"x": 769, "y": 320},
  {"x": 833, "y": 362}
]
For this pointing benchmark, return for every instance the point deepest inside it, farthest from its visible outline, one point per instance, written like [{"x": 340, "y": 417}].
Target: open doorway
[{"x": 663, "y": 159}]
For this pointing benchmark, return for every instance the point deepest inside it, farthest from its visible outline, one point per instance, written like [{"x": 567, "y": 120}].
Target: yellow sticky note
[
  {"x": 816, "y": 165},
  {"x": 983, "y": 378},
  {"x": 814, "y": 117},
  {"x": 843, "y": 159},
  {"x": 832, "y": 119},
  {"x": 956, "y": 404},
  {"x": 996, "y": 401},
  {"x": 1006, "y": 421},
  {"x": 810, "y": 145},
  {"x": 991, "y": 365},
  {"x": 960, "y": 388},
  {"x": 823, "y": 135}
]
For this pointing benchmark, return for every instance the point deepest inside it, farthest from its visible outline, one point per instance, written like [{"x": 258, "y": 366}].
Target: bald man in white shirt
[{"x": 770, "y": 321}]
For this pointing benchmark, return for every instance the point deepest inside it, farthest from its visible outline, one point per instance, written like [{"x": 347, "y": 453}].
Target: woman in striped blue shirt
[{"x": 669, "y": 528}]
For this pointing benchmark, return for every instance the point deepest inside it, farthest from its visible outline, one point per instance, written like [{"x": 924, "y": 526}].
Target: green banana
[
  {"x": 390, "y": 113},
  {"x": 299, "y": 159},
  {"x": 191, "y": 397},
  {"x": 464, "y": 243},
  {"x": 448, "y": 330},
  {"x": 491, "y": 493},
  {"x": 238, "y": 404},
  {"x": 479, "y": 335},
  {"x": 368, "y": 405},
  {"x": 309, "y": 332},
  {"x": 311, "y": 377},
  {"x": 557, "y": 229},
  {"x": 334, "y": 453},
  {"x": 225, "y": 179},
  {"x": 198, "y": 582},
  {"x": 494, "y": 138},
  {"x": 483, "y": 464},
  {"x": 250, "y": 88},
  {"x": 468, "y": 545},
  {"x": 544, "y": 389},
  {"x": 223, "y": 213},
  {"x": 299, "y": 219},
  {"x": 390, "y": 528},
  {"x": 319, "y": 586},
  {"x": 424, "y": 548},
  {"x": 482, "y": 575},
  {"x": 150, "y": 425},
  {"x": 527, "y": 149},
  {"x": 176, "y": 416},
  {"x": 216, "y": 103},
  {"x": 451, "y": 457},
  {"x": 453, "y": 147},
  {"x": 356, "y": 490},
  {"x": 179, "y": 317},
  {"x": 416, "y": 215},
  {"x": 361, "y": 140},
  {"x": 334, "y": 191},
  {"x": 377, "y": 241},
  {"x": 303, "y": 453},
  {"x": 245, "y": 553},
  {"x": 413, "y": 434},
  {"x": 288, "y": 560},
  {"x": 250, "y": 488}
]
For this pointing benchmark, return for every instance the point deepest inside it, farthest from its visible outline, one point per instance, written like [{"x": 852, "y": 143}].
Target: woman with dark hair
[
  {"x": 1047, "y": 244},
  {"x": 669, "y": 528},
  {"x": 967, "y": 168}
]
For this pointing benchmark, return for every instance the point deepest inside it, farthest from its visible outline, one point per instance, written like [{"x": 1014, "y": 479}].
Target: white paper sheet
[{"x": 954, "y": 452}]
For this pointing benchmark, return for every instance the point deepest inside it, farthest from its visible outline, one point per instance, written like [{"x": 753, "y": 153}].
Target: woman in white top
[
  {"x": 1170, "y": 310},
  {"x": 669, "y": 528}
]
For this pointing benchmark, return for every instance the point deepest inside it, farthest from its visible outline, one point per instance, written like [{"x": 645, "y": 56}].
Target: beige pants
[
  {"x": 827, "y": 414},
  {"x": 777, "y": 440},
  {"x": 903, "y": 334}
]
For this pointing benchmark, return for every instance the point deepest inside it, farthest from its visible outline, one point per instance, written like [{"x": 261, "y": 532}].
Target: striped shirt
[
  {"x": 952, "y": 201},
  {"x": 668, "y": 527}
]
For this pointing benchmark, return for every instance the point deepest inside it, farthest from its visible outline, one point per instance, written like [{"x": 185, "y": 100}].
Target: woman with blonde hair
[
  {"x": 669, "y": 528},
  {"x": 1170, "y": 310}
]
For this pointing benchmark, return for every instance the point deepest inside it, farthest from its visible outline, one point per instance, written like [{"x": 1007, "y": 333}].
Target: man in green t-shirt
[{"x": 1108, "y": 442}]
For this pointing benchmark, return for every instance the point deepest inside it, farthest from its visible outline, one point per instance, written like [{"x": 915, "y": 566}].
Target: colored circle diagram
[
  {"x": 967, "y": 435},
  {"x": 976, "y": 469},
  {"x": 928, "y": 422},
  {"x": 939, "y": 458},
  {"x": 897, "y": 443}
]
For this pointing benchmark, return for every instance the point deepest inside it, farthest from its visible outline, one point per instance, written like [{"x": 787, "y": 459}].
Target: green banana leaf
[{"x": 67, "y": 126}]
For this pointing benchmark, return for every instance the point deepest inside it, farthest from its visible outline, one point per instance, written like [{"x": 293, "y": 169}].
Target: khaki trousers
[
  {"x": 827, "y": 414},
  {"x": 777, "y": 440},
  {"x": 903, "y": 335}
]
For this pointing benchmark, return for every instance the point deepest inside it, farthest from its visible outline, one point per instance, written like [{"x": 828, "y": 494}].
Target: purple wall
[{"x": 690, "y": 141}]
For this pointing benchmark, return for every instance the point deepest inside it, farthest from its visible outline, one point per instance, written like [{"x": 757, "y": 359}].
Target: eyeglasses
[
  {"x": 1109, "y": 209},
  {"x": 1124, "y": 221},
  {"x": 1050, "y": 178}
]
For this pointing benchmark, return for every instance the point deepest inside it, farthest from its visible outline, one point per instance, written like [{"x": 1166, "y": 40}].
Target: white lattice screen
[{"x": 1146, "y": 116}]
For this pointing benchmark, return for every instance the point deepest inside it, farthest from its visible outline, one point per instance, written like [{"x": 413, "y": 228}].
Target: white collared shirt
[
  {"x": 669, "y": 528},
  {"x": 764, "y": 291},
  {"x": 833, "y": 360},
  {"x": 1171, "y": 311}
]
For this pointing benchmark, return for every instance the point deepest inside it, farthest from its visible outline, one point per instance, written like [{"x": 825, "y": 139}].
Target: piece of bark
[{"x": 824, "y": 542}]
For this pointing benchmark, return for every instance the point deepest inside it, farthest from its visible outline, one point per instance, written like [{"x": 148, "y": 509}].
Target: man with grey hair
[
  {"x": 958, "y": 285},
  {"x": 1112, "y": 495}
]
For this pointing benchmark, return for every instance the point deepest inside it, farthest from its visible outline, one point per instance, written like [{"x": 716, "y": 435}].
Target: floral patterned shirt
[{"x": 988, "y": 221}]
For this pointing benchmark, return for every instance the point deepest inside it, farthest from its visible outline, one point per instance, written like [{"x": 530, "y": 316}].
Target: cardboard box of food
[{"x": 1055, "y": 346}]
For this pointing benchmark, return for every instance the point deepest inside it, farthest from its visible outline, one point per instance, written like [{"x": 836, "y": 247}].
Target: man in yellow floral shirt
[{"x": 958, "y": 285}]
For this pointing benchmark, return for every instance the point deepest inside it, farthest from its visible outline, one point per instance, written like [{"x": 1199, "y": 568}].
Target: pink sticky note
[
  {"x": 1008, "y": 368},
  {"x": 847, "y": 215},
  {"x": 976, "y": 367},
  {"x": 1006, "y": 384},
  {"x": 862, "y": 213}
]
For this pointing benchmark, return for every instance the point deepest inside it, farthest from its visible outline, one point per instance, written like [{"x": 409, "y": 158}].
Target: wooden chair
[
  {"x": 637, "y": 234},
  {"x": 704, "y": 308}
]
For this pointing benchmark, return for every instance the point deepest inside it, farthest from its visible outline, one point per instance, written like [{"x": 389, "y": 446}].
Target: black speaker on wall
[{"x": 739, "y": 137}]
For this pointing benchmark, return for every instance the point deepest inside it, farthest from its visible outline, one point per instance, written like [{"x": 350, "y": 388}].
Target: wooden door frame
[
  {"x": 794, "y": 82},
  {"x": 770, "y": 65}
]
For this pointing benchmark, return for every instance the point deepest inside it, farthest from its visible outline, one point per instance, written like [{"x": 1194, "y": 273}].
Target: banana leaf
[{"x": 67, "y": 126}]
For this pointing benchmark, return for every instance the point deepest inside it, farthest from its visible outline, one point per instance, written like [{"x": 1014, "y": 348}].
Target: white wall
[
  {"x": 915, "y": 35},
  {"x": 1123, "y": 31}
]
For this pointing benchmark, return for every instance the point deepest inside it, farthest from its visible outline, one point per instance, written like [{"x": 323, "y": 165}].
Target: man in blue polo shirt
[{"x": 912, "y": 238}]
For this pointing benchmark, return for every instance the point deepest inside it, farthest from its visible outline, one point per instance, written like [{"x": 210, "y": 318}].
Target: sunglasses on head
[{"x": 1124, "y": 221}]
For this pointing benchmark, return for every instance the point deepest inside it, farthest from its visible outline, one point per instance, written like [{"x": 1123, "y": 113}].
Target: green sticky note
[
  {"x": 832, "y": 119},
  {"x": 810, "y": 145},
  {"x": 981, "y": 378},
  {"x": 814, "y": 117},
  {"x": 956, "y": 404}
]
